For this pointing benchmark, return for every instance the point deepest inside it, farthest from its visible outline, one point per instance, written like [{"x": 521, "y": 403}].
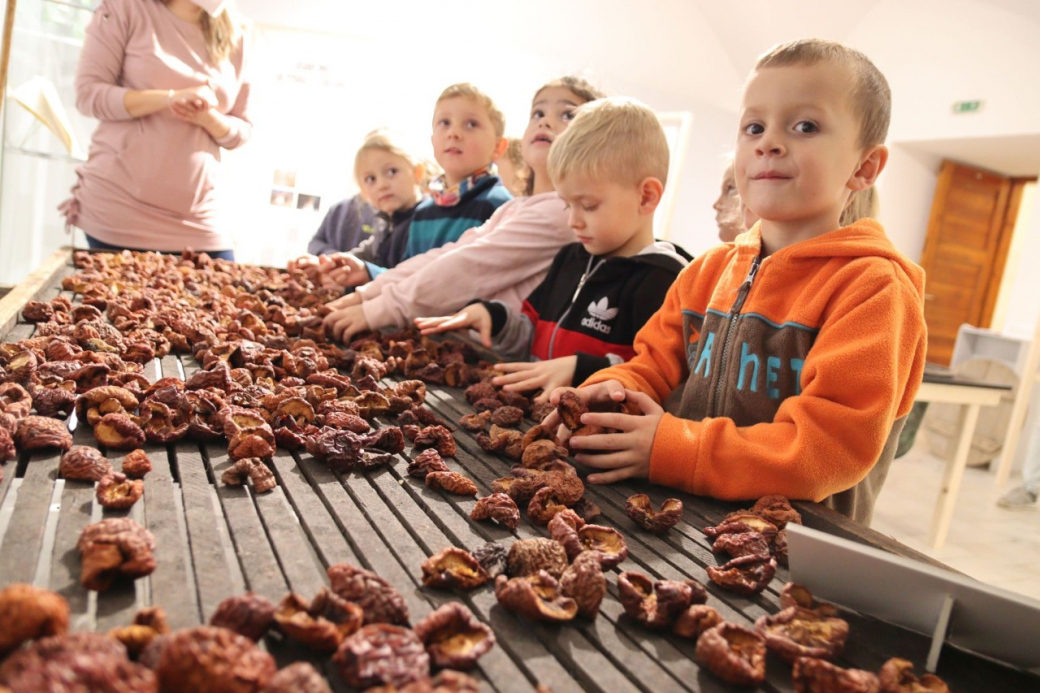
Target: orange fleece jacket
[{"x": 786, "y": 381}]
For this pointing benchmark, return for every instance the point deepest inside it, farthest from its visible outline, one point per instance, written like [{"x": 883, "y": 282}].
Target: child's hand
[
  {"x": 345, "y": 301},
  {"x": 343, "y": 269},
  {"x": 308, "y": 264},
  {"x": 474, "y": 316},
  {"x": 545, "y": 375},
  {"x": 346, "y": 322},
  {"x": 607, "y": 391},
  {"x": 627, "y": 454}
]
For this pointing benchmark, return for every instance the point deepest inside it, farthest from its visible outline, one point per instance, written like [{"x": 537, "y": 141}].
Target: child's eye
[
  {"x": 369, "y": 180},
  {"x": 567, "y": 116},
  {"x": 537, "y": 113},
  {"x": 391, "y": 172},
  {"x": 731, "y": 190},
  {"x": 807, "y": 127},
  {"x": 472, "y": 124},
  {"x": 443, "y": 122},
  {"x": 566, "y": 205},
  {"x": 589, "y": 208},
  {"x": 753, "y": 129}
]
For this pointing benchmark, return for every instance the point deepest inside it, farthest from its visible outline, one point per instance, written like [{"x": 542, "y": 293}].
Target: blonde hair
[
  {"x": 871, "y": 95},
  {"x": 218, "y": 32},
  {"x": 616, "y": 138},
  {"x": 467, "y": 90},
  {"x": 522, "y": 175},
  {"x": 383, "y": 140},
  {"x": 862, "y": 203}
]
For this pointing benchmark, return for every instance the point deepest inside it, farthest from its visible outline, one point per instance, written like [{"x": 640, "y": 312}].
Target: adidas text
[{"x": 594, "y": 324}]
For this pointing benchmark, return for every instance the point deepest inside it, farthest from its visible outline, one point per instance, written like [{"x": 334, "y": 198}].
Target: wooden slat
[
  {"x": 20, "y": 550},
  {"x": 44, "y": 275}
]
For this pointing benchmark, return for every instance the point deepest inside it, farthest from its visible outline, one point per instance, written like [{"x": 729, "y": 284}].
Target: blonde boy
[
  {"x": 789, "y": 359},
  {"x": 609, "y": 167}
]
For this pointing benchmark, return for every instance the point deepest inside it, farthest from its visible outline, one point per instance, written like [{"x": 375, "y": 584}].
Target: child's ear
[
  {"x": 870, "y": 167},
  {"x": 500, "y": 148},
  {"x": 650, "y": 192}
]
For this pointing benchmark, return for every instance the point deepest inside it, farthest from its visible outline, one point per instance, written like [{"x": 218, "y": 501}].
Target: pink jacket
[
  {"x": 502, "y": 260},
  {"x": 152, "y": 182}
]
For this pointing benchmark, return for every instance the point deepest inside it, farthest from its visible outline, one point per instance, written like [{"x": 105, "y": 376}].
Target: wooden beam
[
  {"x": 5, "y": 50},
  {"x": 11, "y": 304}
]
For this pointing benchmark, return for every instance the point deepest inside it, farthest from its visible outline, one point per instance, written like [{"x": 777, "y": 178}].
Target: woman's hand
[
  {"x": 474, "y": 316},
  {"x": 544, "y": 375}
]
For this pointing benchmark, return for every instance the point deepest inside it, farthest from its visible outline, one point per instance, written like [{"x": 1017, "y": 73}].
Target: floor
[{"x": 996, "y": 546}]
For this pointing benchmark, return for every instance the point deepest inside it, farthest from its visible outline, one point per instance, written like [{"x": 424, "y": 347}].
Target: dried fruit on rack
[
  {"x": 507, "y": 416},
  {"x": 118, "y": 432},
  {"x": 37, "y": 311},
  {"x": 425, "y": 462},
  {"x": 15, "y": 400},
  {"x": 340, "y": 450},
  {"x": 116, "y": 492},
  {"x": 389, "y": 439},
  {"x": 136, "y": 464},
  {"x": 642, "y": 512},
  {"x": 451, "y": 482},
  {"x": 252, "y": 442},
  {"x": 492, "y": 558},
  {"x": 498, "y": 507},
  {"x": 252, "y": 468},
  {"x": 247, "y": 614},
  {"x": 323, "y": 623},
  {"x": 529, "y": 556},
  {"x": 742, "y": 521},
  {"x": 777, "y": 509},
  {"x": 564, "y": 529},
  {"x": 75, "y": 662},
  {"x": 149, "y": 623},
  {"x": 53, "y": 401},
  {"x": 796, "y": 632},
  {"x": 583, "y": 582},
  {"x": 544, "y": 506},
  {"x": 654, "y": 604},
  {"x": 453, "y": 569},
  {"x": 695, "y": 620},
  {"x": 436, "y": 437},
  {"x": 7, "y": 448},
  {"x": 30, "y": 613},
  {"x": 114, "y": 548},
  {"x": 83, "y": 463},
  {"x": 537, "y": 597},
  {"x": 40, "y": 433},
  {"x": 479, "y": 391},
  {"x": 109, "y": 399},
  {"x": 475, "y": 423},
  {"x": 454, "y": 638},
  {"x": 382, "y": 654},
  {"x": 780, "y": 548},
  {"x": 817, "y": 676},
  {"x": 214, "y": 660},
  {"x": 747, "y": 575},
  {"x": 739, "y": 544},
  {"x": 793, "y": 594},
  {"x": 733, "y": 653},
  {"x": 538, "y": 454},
  {"x": 607, "y": 541},
  {"x": 571, "y": 409},
  {"x": 161, "y": 425},
  {"x": 897, "y": 676},
  {"x": 376, "y": 597},
  {"x": 501, "y": 440},
  {"x": 299, "y": 677}
]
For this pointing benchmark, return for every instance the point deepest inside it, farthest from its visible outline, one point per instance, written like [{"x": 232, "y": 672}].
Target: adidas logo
[{"x": 602, "y": 310}]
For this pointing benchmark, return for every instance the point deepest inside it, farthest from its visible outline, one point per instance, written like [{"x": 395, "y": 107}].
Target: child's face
[
  {"x": 605, "y": 215},
  {"x": 387, "y": 181},
  {"x": 463, "y": 138},
  {"x": 551, "y": 113},
  {"x": 728, "y": 209},
  {"x": 798, "y": 149}
]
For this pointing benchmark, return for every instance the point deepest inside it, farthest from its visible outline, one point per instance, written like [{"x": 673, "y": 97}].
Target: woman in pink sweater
[{"x": 165, "y": 78}]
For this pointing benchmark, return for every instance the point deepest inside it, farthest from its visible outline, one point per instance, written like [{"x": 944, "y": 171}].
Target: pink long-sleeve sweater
[{"x": 153, "y": 182}]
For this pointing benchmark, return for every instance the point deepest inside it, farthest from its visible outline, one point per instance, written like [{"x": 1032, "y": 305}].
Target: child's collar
[{"x": 449, "y": 196}]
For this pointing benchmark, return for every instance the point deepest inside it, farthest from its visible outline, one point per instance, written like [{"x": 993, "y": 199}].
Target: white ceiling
[{"x": 1015, "y": 155}]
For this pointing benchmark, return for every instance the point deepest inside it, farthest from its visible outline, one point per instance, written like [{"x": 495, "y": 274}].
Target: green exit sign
[{"x": 967, "y": 106}]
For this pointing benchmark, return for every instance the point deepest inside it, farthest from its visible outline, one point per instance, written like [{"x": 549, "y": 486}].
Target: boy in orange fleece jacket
[{"x": 787, "y": 360}]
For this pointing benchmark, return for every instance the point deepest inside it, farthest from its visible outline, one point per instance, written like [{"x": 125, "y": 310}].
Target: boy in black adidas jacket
[{"x": 609, "y": 167}]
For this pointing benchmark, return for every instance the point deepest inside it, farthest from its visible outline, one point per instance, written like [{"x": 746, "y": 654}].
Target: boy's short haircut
[
  {"x": 616, "y": 138},
  {"x": 467, "y": 90},
  {"x": 871, "y": 96}
]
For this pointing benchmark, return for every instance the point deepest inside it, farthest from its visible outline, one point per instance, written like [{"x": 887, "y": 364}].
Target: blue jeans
[{"x": 95, "y": 244}]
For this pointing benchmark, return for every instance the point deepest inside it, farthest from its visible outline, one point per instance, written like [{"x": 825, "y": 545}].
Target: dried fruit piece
[
  {"x": 118, "y": 432},
  {"x": 29, "y": 613},
  {"x": 507, "y": 416},
  {"x": 538, "y": 454},
  {"x": 780, "y": 548},
  {"x": 454, "y": 638},
  {"x": 7, "y": 449},
  {"x": 389, "y": 439},
  {"x": 116, "y": 492},
  {"x": 252, "y": 442},
  {"x": 583, "y": 582},
  {"x": 381, "y": 654},
  {"x": 747, "y": 575},
  {"x": 437, "y": 437},
  {"x": 641, "y": 510},
  {"x": 777, "y": 509},
  {"x": 75, "y": 662},
  {"x": 817, "y": 676},
  {"x": 544, "y": 506},
  {"x": 475, "y": 423},
  {"x": 252, "y": 468},
  {"x": 136, "y": 464},
  {"x": 735, "y": 654},
  {"x": 112, "y": 548},
  {"x": 83, "y": 463},
  {"x": 247, "y": 614},
  {"x": 695, "y": 620},
  {"x": 376, "y": 597},
  {"x": 742, "y": 521},
  {"x": 530, "y": 556},
  {"x": 451, "y": 482},
  {"x": 215, "y": 660},
  {"x": 492, "y": 558},
  {"x": 793, "y": 594},
  {"x": 571, "y": 408},
  {"x": 40, "y": 433},
  {"x": 299, "y": 677},
  {"x": 564, "y": 529},
  {"x": 536, "y": 597},
  {"x": 796, "y": 632},
  {"x": 654, "y": 604},
  {"x": 498, "y": 507},
  {"x": 607, "y": 541},
  {"x": 453, "y": 568},
  {"x": 340, "y": 450},
  {"x": 149, "y": 623},
  {"x": 321, "y": 625},
  {"x": 897, "y": 676},
  {"x": 425, "y": 462},
  {"x": 739, "y": 544}
]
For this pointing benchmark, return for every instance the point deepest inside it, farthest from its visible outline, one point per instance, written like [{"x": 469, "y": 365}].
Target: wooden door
[{"x": 963, "y": 253}]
